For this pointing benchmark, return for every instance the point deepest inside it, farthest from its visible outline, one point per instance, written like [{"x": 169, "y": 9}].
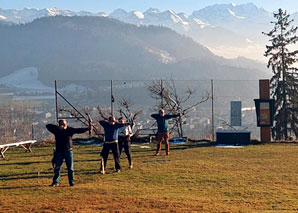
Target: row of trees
[{"x": 16, "y": 123}]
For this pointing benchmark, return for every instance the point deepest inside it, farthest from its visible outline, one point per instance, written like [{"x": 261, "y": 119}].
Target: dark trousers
[
  {"x": 124, "y": 142},
  {"x": 105, "y": 154},
  {"x": 58, "y": 159}
]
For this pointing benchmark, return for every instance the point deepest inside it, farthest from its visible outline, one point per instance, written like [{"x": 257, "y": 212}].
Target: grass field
[{"x": 202, "y": 178}]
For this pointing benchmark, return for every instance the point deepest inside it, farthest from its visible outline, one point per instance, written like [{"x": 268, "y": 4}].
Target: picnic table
[{"x": 25, "y": 144}]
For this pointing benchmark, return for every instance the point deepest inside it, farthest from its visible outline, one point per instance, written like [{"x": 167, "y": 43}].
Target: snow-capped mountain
[
  {"x": 29, "y": 14},
  {"x": 223, "y": 12},
  {"x": 217, "y": 15},
  {"x": 133, "y": 17},
  {"x": 118, "y": 14},
  {"x": 245, "y": 19},
  {"x": 193, "y": 26}
]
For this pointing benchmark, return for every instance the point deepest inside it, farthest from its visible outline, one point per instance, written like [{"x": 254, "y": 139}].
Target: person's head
[
  {"x": 162, "y": 112},
  {"x": 121, "y": 120},
  {"x": 112, "y": 120},
  {"x": 62, "y": 124}
]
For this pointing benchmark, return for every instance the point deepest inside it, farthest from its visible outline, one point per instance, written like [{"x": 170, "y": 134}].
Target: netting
[{"x": 26, "y": 118}]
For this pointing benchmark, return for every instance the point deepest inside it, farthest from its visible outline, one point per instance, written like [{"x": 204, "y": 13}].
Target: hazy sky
[{"x": 108, "y": 6}]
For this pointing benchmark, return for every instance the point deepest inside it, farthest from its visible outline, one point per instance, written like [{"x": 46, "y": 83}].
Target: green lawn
[{"x": 257, "y": 178}]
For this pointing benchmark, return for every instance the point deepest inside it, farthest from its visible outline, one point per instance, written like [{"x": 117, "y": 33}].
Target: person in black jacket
[{"x": 63, "y": 137}]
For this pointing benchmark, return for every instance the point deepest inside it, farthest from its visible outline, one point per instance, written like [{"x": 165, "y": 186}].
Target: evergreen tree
[{"x": 282, "y": 60}]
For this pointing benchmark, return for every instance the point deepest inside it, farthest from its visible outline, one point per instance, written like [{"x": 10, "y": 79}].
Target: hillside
[{"x": 103, "y": 48}]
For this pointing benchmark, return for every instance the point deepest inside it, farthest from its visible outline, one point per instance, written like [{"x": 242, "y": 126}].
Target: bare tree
[
  {"x": 16, "y": 123},
  {"x": 85, "y": 117},
  {"x": 166, "y": 93},
  {"x": 125, "y": 106},
  {"x": 103, "y": 114}
]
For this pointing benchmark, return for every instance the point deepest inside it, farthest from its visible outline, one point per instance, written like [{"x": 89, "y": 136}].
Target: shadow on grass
[
  {"x": 31, "y": 154},
  {"x": 49, "y": 174},
  {"x": 25, "y": 163},
  {"x": 192, "y": 145},
  {"x": 36, "y": 185},
  {"x": 15, "y": 187},
  {"x": 46, "y": 174},
  {"x": 26, "y": 176},
  {"x": 33, "y": 186}
]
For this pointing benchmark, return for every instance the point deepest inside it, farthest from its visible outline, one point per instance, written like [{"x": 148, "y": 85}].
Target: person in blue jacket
[
  {"x": 111, "y": 128},
  {"x": 163, "y": 130}
]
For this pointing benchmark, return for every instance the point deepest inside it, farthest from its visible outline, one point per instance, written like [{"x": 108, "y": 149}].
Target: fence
[{"x": 198, "y": 122}]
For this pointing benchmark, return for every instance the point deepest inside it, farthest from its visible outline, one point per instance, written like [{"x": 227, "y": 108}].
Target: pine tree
[{"x": 284, "y": 82}]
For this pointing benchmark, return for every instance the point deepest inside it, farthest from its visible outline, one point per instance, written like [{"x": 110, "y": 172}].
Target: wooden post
[{"x": 264, "y": 87}]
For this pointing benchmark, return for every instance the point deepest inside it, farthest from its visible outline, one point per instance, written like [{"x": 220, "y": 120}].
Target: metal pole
[
  {"x": 112, "y": 99},
  {"x": 212, "y": 110},
  {"x": 86, "y": 122},
  {"x": 56, "y": 99},
  {"x": 161, "y": 93},
  {"x": 71, "y": 105},
  {"x": 32, "y": 135}
]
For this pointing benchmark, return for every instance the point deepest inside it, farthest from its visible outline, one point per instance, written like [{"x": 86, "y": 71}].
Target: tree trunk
[{"x": 285, "y": 123}]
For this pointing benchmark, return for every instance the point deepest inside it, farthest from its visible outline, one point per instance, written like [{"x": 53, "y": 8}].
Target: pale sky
[{"x": 187, "y": 6}]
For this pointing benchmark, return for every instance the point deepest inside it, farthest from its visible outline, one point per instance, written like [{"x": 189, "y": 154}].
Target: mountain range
[
  {"x": 240, "y": 26},
  {"x": 85, "y": 47}
]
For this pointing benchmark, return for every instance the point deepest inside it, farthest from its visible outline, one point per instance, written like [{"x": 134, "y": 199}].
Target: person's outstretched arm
[
  {"x": 103, "y": 123},
  {"x": 52, "y": 128},
  {"x": 79, "y": 130},
  {"x": 172, "y": 116},
  {"x": 119, "y": 125},
  {"x": 155, "y": 116}
]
